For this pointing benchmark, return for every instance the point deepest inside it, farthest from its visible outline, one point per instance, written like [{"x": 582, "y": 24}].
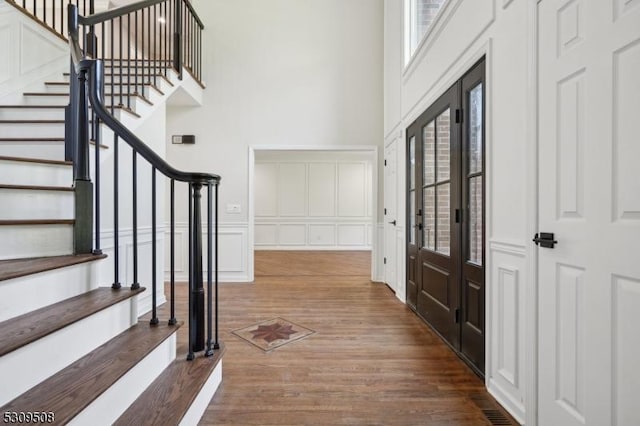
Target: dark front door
[{"x": 445, "y": 216}]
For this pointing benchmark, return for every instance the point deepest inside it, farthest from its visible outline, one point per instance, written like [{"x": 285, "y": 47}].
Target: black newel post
[{"x": 196, "y": 310}]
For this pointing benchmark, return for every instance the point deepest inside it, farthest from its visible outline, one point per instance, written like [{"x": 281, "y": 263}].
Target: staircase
[{"x": 72, "y": 347}]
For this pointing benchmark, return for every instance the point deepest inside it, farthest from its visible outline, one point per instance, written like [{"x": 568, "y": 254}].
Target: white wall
[
  {"x": 313, "y": 200},
  {"x": 282, "y": 72},
  {"x": 467, "y": 30}
]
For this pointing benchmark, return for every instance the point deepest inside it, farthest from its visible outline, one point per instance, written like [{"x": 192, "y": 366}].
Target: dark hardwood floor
[{"x": 371, "y": 360}]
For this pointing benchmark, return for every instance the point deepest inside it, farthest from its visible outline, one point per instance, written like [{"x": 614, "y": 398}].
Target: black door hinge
[
  {"x": 457, "y": 315},
  {"x": 458, "y": 116},
  {"x": 385, "y": 211},
  {"x": 385, "y": 162},
  {"x": 385, "y": 260}
]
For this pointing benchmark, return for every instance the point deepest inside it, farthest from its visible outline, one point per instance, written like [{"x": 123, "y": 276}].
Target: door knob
[
  {"x": 545, "y": 239},
  {"x": 393, "y": 223}
]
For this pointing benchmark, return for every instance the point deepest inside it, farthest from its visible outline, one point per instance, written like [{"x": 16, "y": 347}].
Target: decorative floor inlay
[{"x": 273, "y": 333}]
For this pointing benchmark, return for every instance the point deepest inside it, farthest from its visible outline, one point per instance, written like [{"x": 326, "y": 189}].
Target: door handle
[
  {"x": 393, "y": 222},
  {"x": 545, "y": 239}
]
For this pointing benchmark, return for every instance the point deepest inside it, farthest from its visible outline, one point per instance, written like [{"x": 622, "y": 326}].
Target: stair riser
[
  {"x": 32, "y": 130},
  {"x": 41, "y": 150},
  {"x": 29, "y": 204},
  {"x": 31, "y": 113},
  {"x": 45, "y": 288},
  {"x": 26, "y": 173},
  {"x": 198, "y": 407},
  {"x": 117, "y": 89},
  {"x": 19, "y": 242},
  {"x": 45, "y": 100},
  {"x": 112, "y": 403},
  {"x": 139, "y": 79},
  {"x": 50, "y": 354}
]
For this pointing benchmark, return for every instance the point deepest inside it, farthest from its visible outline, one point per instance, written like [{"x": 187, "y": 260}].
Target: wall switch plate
[
  {"x": 183, "y": 139},
  {"x": 233, "y": 208}
]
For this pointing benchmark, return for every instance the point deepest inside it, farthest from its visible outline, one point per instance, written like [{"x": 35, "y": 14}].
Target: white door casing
[
  {"x": 390, "y": 217},
  {"x": 589, "y": 197}
]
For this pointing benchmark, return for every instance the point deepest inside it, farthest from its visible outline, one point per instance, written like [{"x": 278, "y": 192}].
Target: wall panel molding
[{"x": 332, "y": 199}]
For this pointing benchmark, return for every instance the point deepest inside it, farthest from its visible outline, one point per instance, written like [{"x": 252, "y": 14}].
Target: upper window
[{"x": 419, "y": 14}]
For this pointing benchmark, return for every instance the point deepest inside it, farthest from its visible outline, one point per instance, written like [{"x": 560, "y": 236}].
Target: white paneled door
[
  {"x": 390, "y": 214},
  {"x": 589, "y": 198}
]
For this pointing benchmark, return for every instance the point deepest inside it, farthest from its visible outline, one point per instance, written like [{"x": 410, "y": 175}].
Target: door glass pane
[
  {"x": 429, "y": 153},
  {"x": 475, "y": 129},
  {"x": 412, "y": 217},
  {"x": 443, "y": 151},
  {"x": 475, "y": 220},
  {"x": 429, "y": 215},
  {"x": 443, "y": 218},
  {"x": 412, "y": 163}
]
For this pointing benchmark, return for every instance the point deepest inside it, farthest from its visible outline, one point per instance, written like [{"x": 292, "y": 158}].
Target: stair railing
[
  {"x": 53, "y": 13},
  {"x": 88, "y": 82}
]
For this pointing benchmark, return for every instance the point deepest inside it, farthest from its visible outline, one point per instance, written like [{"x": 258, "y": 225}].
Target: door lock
[{"x": 545, "y": 239}]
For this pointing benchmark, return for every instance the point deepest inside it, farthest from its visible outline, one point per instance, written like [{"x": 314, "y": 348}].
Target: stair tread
[
  {"x": 16, "y": 268},
  {"x": 51, "y": 139},
  {"x": 103, "y": 146},
  {"x": 24, "y": 329},
  {"x": 71, "y": 390},
  {"x": 37, "y": 187},
  {"x": 169, "y": 397},
  {"x": 13, "y": 222},
  {"x": 32, "y": 106},
  {"x": 31, "y": 121},
  {"x": 35, "y": 160}
]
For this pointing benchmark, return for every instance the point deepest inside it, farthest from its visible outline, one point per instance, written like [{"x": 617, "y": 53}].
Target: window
[{"x": 419, "y": 14}]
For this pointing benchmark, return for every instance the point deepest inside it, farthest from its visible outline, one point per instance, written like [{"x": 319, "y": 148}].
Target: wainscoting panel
[
  {"x": 233, "y": 254},
  {"x": 321, "y": 203},
  {"x": 505, "y": 341},
  {"x": 19, "y": 34}
]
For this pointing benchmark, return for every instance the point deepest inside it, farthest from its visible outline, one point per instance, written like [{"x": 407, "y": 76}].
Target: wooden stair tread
[
  {"x": 44, "y": 94},
  {"x": 51, "y": 139},
  {"x": 37, "y": 188},
  {"x": 13, "y": 222},
  {"x": 31, "y": 121},
  {"x": 24, "y": 329},
  {"x": 32, "y": 106},
  {"x": 169, "y": 397},
  {"x": 10, "y": 269},
  {"x": 71, "y": 390},
  {"x": 57, "y": 140},
  {"x": 36, "y": 160}
]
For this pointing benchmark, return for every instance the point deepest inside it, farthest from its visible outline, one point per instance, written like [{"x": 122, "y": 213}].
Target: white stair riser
[
  {"x": 50, "y": 354},
  {"x": 45, "y": 100},
  {"x": 31, "y": 113},
  {"x": 117, "y": 89},
  {"x": 198, "y": 407},
  {"x": 45, "y": 288},
  {"x": 26, "y": 173},
  {"x": 27, "y": 204},
  {"x": 40, "y": 150},
  {"x": 115, "y": 401},
  {"x": 22, "y": 241},
  {"x": 32, "y": 130}
]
